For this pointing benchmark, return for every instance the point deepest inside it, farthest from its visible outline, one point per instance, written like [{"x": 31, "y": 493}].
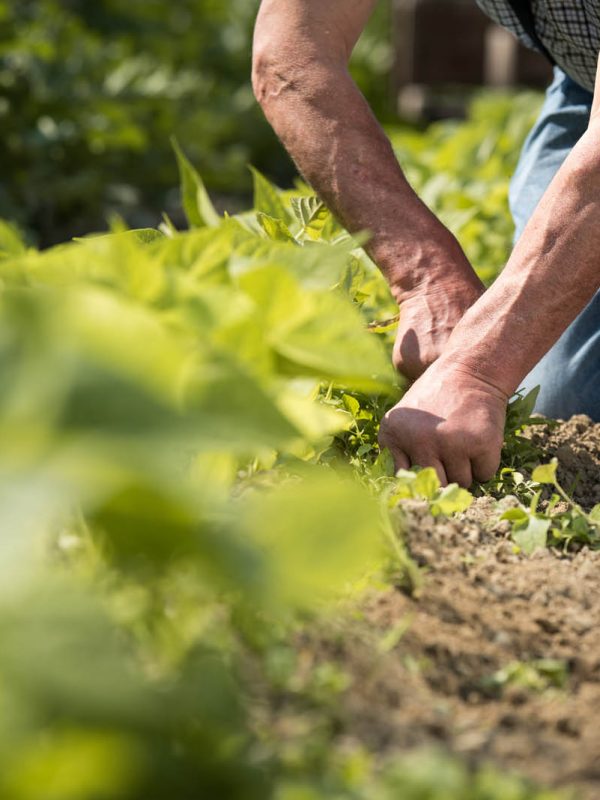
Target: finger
[
  {"x": 387, "y": 439},
  {"x": 437, "y": 465},
  {"x": 485, "y": 466},
  {"x": 401, "y": 460},
  {"x": 440, "y": 470},
  {"x": 459, "y": 471}
]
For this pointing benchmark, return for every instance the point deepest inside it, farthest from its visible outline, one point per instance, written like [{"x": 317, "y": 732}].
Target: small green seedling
[
  {"x": 536, "y": 676},
  {"x": 424, "y": 484},
  {"x": 519, "y": 454},
  {"x": 533, "y": 529}
]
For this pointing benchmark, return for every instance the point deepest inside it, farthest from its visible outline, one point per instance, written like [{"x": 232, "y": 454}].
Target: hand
[
  {"x": 427, "y": 318},
  {"x": 449, "y": 420}
]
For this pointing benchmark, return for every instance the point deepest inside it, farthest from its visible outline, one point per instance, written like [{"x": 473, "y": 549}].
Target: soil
[
  {"x": 422, "y": 667},
  {"x": 576, "y": 445}
]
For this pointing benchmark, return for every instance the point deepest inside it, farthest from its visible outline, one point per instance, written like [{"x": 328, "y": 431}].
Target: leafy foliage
[
  {"x": 519, "y": 454},
  {"x": 562, "y": 522},
  {"x": 538, "y": 675},
  {"x": 462, "y": 171},
  {"x": 91, "y": 92},
  {"x": 425, "y": 485},
  {"x": 189, "y": 470}
]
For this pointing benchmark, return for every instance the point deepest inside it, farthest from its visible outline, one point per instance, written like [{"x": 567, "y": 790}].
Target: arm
[
  {"x": 300, "y": 77},
  {"x": 452, "y": 418}
]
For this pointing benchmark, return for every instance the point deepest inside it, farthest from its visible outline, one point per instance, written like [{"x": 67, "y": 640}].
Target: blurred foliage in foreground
[
  {"x": 90, "y": 93},
  {"x": 189, "y": 472}
]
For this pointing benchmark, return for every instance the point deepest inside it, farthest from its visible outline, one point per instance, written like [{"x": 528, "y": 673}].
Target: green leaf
[
  {"x": 167, "y": 227},
  {"x": 406, "y": 476},
  {"x": 141, "y": 235},
  {"x": 594, "y": 514},
  {"x": 515, "y": 515},
  {"x": 146, "y": 235},
  {"x": 580, "y": 526},
  {"x": 426, "y": 483},
  {"x": 545, "y": 473},
  {"x": 197, "y": 205},
  {"x": 317, "y": 333},
  {"x": 520, "y": 410},
  {"x": 451, "y": 500},
  {"x": 312, "y": 214},
  {"x": 266, "y": 197},
  {"x": 74, "y": 763},
  {"x": 59, "y": 646},
  {"x": 534, "y": 536},
  {"x": 318, "y": 534},
  {"x": 313, "y": 420},
  {"x": 383, "y": 466},
  {"x": 351, "y": 404},
  {"x": 11, "y": 241},
  {"x": 275, "y": 229},
  {"x": 229, "y": 408},
  {"x": 526, "y": 404}
]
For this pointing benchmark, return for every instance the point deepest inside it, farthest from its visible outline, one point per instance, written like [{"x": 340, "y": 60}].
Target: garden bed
[{"x": 497, "y": 656}]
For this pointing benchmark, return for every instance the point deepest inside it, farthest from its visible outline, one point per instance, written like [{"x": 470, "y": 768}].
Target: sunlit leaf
[
  {"x": 595, "y": 514},
  {"x": 312, "y": 214},
  {"x": 73, "y": 763},
  {"x": 533, "y": 536},
  {"x": 515, "y": 515},
  {"x": 452, "y": 500},
  {"x": 11, "y": 241},
  {"x": 275, "y": 228},
  {"x": 266, "y": 197},
  {"x": 426, "y": 483},
  {"x": 197, "y": 204},
  {"x": 318, "y": 534},
  {"x": 546, "y": 473}
]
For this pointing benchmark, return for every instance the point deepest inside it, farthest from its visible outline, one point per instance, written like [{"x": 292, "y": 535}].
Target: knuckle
[
  {"x": 424, "y": 438},
  {"x": 487, "y": 446},
  {"x": 471, "y": 438},
  {"x": 455, "y": 441}
]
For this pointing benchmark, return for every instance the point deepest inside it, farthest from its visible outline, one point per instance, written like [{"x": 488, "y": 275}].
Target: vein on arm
[
  {"x": 552, "y": 274},
  {"x": 301, "y": 79}
]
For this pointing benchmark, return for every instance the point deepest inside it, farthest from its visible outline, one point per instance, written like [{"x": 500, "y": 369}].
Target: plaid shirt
[{"x": 569, "y": 29}]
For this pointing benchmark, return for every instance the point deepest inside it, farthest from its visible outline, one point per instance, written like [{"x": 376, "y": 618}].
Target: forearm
[
  {"x": 329, "y": 130},
  {"x": 552, "y": 274}
]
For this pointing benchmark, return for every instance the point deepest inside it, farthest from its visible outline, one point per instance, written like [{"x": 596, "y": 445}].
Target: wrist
[
  {"x": 484, "y": 346},
  {"x": 453, "y": 287},
  {"x": 427, "y": 265},
  {"x": 463, "y": 375}
]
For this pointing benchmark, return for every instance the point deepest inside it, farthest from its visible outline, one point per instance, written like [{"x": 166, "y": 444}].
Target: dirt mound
[
  {"x": 576, "y": 444},
  {"x": 497, "y": 658}
]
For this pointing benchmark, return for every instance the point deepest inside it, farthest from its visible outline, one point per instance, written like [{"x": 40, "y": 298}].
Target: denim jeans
[{"x": 569, "y": 374}]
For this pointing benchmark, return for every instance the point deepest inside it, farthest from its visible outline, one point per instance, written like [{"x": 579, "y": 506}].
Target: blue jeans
[{"x": 569, "y": 374}]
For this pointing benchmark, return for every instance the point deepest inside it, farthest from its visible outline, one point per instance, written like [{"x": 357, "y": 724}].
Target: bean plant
[{"x": 190, "y": 473}]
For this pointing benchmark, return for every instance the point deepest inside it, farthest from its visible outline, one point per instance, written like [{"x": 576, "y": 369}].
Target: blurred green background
[{"x": 90, "y": 93}]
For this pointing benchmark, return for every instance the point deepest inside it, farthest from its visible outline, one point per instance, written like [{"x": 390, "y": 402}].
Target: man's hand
[
  {"x": 449, "y": 420},
  {"x": 428, "y": 317}
]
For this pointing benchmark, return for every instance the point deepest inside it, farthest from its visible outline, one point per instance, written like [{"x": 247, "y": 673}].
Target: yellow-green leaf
[
  {"x": 545, "y": 473},
  {"x": 197, "y": 205}
]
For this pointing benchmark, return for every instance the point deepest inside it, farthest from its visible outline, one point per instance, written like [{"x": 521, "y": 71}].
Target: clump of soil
[
  {"x": 576, "y": 444},
  {"x": 483, "y": 607}
]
